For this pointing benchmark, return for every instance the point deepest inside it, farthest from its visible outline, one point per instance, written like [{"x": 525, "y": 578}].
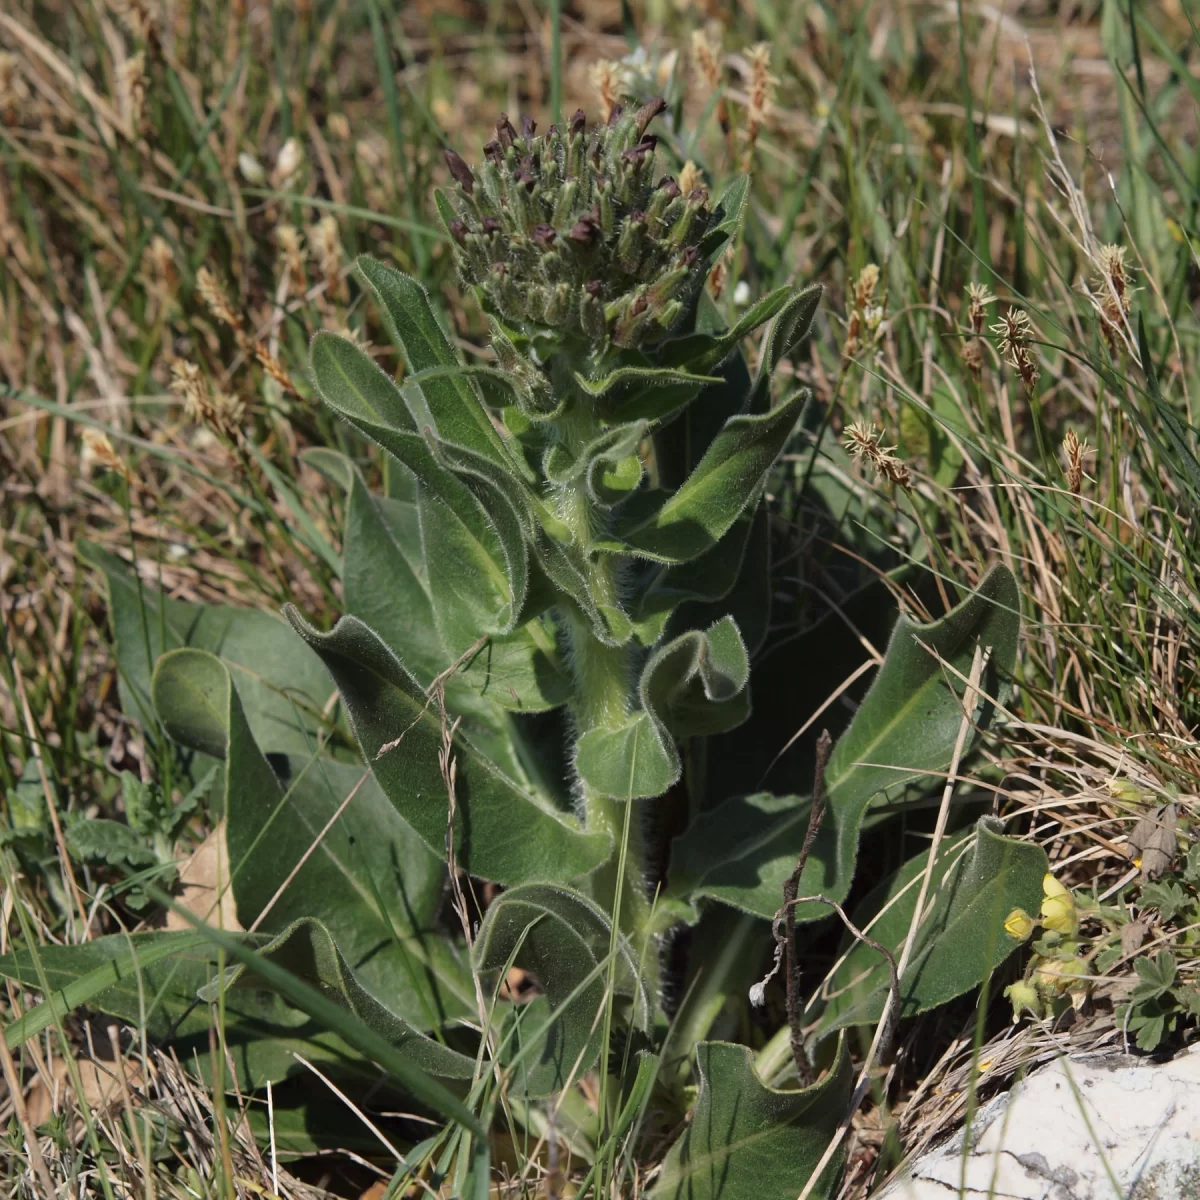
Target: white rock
[{"x": 1070, "y": 1131}]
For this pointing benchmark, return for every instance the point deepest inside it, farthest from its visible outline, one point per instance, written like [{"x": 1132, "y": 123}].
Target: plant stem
[{"x": 604, "y": 699}]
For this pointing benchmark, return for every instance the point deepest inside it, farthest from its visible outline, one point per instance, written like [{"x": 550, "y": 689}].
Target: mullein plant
[{"x": 542, "y": 673}]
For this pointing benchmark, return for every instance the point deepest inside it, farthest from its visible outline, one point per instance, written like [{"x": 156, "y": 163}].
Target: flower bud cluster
[{"x": 572, "y": 231}]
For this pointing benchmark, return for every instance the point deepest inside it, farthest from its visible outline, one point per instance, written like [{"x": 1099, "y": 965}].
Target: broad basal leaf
[
  {"x": 747, "y": 1141},
  {"x": 742, "y": 851},
  {"x": 153, "y": 981},
  {"x": 306, "y": 949},
  {"x": 727, "y": 479},
  {"x": 980, "y": 876},
  {"x": 564, "y": 940},
  {"x": 366, "y": 875},
  {"x": 284, "y": 689},
  {"x": 501, "y": 831}
]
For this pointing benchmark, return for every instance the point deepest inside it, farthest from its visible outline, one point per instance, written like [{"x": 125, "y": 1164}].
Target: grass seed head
[
  {"x": 1015, "y": 332},
  {"x": 1074, "y": 451}
]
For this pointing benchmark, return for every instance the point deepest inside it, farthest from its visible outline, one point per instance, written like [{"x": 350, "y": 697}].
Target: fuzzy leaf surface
[
  {"x": 481, "y": 567},
  {"x": 502, "y": 831},
  {"x": 284, "y": 690},
  {"x": 979, "y": 877},
  {"x": 153, "y": 980},
  {"x": 747, "y": 1141},
  {"x": 564, "y": 940},
  {"x": 726, "y": 480},
  {"x": 742, "y": 851},
  {"x": 453, "y": 404},
  {"x": 370, "y": 878},
  {"x": 307, "y": 950}
]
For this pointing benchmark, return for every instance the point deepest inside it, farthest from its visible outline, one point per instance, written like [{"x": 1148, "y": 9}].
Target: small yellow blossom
[
  {"x": 1018, "y": 924},
  {"x": 1058, "y": 908}
]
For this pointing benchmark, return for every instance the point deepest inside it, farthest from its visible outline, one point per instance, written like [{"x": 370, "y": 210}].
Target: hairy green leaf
[
  {"x": 747, "y": 1141},
  {"x": 727, "y": 479},
  {"x": 306, "y": 950},
  {"x": 564, "y": 940},
  {"x": 742, "y": 851},
  {"x": 454, "y": 407},
  {"x": 284, "y": 689},
  {"x": 979, "y": 877},
  {"x": 501, "y": 831},
  {"x": 330, "y": 839}
]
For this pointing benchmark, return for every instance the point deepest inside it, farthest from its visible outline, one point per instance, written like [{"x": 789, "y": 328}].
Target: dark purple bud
[
  {"x": 697, "y": 196},
  {"x": 493, "y": 152},
  {"x": 578, "y": 122},
  {"x": 615, "y": 115},
  {"x": 460, "y": 171},
  {"x": 649, "y": 139},
  {"x": 544, "y": 235},
  {"x": 505, "y": 131},
  {"x": 668, "y": 185},
  {"x": 637, "y": 216},
  {"x": 594, "y": 287},
  {"x": 636, "y": 154},
  {"x": 524, "y": 174},
  {"x": 552, "y": 132},
  {"x": 458, "y": 231},
  {"x": 689, "y": 256},
  {"x": 490, "y": 225},
  {"x": 584, "y": 231},
  {"x": 647, "y": 113},
  {"x": 528, "y": 128},
  {"x": 639, "y": 306}
]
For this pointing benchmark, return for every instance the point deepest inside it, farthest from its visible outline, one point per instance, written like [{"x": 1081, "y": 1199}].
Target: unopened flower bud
[
  {"x": 505, "y": 132},
  {"x": 1018, "y": 924},
  {"x": 460, "y": 171}
]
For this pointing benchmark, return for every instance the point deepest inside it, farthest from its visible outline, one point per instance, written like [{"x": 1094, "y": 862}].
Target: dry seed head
[
  {"x": 1114, "y": 272},
  {"x": 98, "y": 449},
  {"x": 1015, "y": 331},
  {"x": 706, "y": 55},
  {"x": 1074, "y": 451},
  {"x": 604, "y": 77},
  {"x": 291, "y": 250},
  {"x": 215, "y": 300},
  {"x": 274, "y": 367},
  {"x": 291, "y": 155},
  {"x": 762, "y": 88},
  {"x": 188, "y": 385},
  {"x": 978, "y": 300},
  {"x": 227, "y": 415},
  {"x": 864, "y": 441},
  {"x": 131, "y": 88},
  {"x": 865, "y": 285},
  {"x": 138, "y": 18},
  {"x": 690, "y": 178},
  {"x": 325, "y": 245}
]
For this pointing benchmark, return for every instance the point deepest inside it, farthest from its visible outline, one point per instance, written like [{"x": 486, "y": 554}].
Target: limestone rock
[{"x": 1070, "y": 1131}]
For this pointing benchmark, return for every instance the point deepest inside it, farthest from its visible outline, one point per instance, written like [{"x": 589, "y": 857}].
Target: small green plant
[
  {"x": 557, "y": 605},
  {"x": 1083, "y": 940}
]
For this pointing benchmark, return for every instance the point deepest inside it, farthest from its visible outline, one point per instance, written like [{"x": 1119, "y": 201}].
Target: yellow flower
[
  {"x": 1058, "y": 908},
  {"x": 1018, "y": 924}
]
